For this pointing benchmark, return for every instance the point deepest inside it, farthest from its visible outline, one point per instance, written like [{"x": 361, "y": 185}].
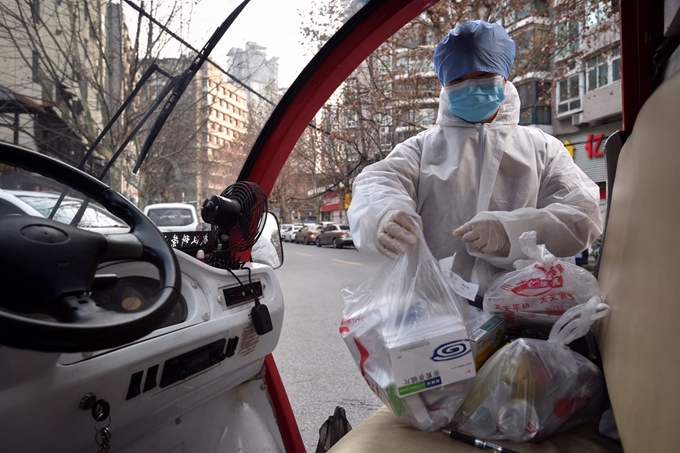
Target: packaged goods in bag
[
  {"x": 405, "y": 328},
  {"x": 531, "y": 388},
  {"x": 486, "y": 334},
  {"x": 541, "y": 288}
]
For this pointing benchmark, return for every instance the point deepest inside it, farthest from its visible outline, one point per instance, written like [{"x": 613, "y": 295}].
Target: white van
[{"x": 173, "y": 217}]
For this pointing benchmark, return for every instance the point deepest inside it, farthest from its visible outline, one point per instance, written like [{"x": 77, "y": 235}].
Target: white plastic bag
[
  {"x": 541, "y": 289},
  {"x": 405, "y": 328},
  {"x": 530, "y": 388}
]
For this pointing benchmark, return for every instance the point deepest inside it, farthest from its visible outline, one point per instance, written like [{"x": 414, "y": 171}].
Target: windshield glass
[
  {"x": 66, "y": 101},
  {"x": 94, "y": 216}
]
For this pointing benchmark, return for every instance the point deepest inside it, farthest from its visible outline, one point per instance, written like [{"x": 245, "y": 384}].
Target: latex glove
[
  {"x": 487, "y": 236},
  {"x": 397, "y": 232}
]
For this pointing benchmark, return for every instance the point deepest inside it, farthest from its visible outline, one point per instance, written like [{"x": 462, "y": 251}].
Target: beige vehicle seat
[{"x": 638, "y": 275}]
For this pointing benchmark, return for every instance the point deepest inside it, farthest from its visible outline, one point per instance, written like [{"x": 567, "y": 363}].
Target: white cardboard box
[{"x": 431, "y": 354}]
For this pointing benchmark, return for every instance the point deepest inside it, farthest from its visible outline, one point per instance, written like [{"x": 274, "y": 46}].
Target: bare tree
[
  {"x": 78, "y": 61},
  {"x": 394, "y": 94}
]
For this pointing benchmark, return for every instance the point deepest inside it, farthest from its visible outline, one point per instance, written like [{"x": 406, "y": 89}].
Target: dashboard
[
  {"x": 205, "y": 350},
  {"x": 134, "y": 294}
]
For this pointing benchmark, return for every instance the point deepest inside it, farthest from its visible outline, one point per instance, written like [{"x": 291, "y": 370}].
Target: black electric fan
[{"x": 237, "y": 217}]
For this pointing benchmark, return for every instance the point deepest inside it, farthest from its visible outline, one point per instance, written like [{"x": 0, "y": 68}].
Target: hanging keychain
[{"x": 101, "y": 411}]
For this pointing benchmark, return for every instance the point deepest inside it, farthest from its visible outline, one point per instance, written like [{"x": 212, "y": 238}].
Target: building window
[
  {"x": 534, "y": 103},
  {"x": 568, "y": 38},
  {"x": 86, "y": 12},
  {"x": 598, "y": 11},
  {"x": 615, "y": 59},
  {"x": 515, "y": 13},
  {"x": 603, "y": 69},
  {"x": 35, "y": 11},
  {"x": 421, "y": 65},
  {"x": 425, "y": 117},
  {"x": 352, "y": 119},
  {"x": 569, "y": 95},
  {"x": 531, "y": 54},
  {"x": 36, "y": 67}
]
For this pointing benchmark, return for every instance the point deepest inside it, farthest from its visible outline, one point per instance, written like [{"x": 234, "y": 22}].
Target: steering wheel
[{"x": 48, "y": 268}]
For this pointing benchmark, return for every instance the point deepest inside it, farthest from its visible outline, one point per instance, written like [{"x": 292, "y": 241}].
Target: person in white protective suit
[{"x": 477, "y": 180}]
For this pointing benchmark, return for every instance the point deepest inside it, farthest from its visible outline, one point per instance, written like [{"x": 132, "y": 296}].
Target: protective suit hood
[{"x": 508, "y": 113}]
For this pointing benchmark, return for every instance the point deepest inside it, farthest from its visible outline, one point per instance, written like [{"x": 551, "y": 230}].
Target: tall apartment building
[
  {"x": 228, "y": 111},
  {"x": 200, "y": 146},
  {"x": 252, "y": 66}
]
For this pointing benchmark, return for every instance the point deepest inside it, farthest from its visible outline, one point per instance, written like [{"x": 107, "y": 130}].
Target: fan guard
[{"x": 252, "y": 200}]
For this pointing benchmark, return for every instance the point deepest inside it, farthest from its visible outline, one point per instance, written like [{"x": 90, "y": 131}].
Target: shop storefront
[
  {"x": 334, "y": 207},
  {"x": 587, "y": 148}
]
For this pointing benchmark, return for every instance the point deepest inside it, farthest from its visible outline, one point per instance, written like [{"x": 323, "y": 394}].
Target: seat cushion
[{"x": 383, "y": 432}]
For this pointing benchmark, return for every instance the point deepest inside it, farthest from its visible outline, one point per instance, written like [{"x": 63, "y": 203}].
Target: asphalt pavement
[{"x": 315, "y": 365}]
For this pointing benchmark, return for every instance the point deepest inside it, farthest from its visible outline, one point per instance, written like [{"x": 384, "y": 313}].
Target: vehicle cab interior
[{"x": 129, "y": 339}]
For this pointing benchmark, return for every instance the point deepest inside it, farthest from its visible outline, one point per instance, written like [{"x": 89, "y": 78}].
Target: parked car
[
  {"x": 173, "y": 217},
  {"x": 307, "y": 235},
  {"x": 285, "y": 227},
  {"x": 95, "y": 217},
  {"x": 336, "y": 235},
  {"x": 290, "y": 234}
]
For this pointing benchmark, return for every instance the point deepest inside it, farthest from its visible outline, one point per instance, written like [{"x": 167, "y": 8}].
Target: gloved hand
[
  {"x": 397, "y": 232},
  {"x": 488, "y": 236}
]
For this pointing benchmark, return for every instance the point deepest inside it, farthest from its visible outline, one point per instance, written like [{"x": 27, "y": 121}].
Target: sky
[{"x": 274, "y": 24}]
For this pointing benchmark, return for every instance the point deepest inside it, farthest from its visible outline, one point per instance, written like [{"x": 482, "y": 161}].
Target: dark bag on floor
[{"x": 332, "y": 430}]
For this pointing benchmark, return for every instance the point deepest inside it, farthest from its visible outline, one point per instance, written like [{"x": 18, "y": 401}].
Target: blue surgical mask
[{"x": 475, "y": 100}]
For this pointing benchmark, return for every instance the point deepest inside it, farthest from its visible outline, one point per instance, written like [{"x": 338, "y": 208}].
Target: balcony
[{"x": 602, "y": 102}]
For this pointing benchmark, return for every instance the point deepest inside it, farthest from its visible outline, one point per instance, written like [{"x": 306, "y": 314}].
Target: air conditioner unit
[{"x": 577, "y": 119}]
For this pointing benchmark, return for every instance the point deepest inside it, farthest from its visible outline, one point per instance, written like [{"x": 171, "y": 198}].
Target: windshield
[
  {"x": 202, "y": 146},
  {"x": 94, "y": 216}
]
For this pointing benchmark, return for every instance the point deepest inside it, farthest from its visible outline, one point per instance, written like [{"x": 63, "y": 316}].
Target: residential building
[
  {"x": 252, "y": 66},
  {"x": 63, "y": 70},
  {"x": 199, "y": 150},
  {"x": 228, "y": 113},
  {"x": 586, "y": 89}
]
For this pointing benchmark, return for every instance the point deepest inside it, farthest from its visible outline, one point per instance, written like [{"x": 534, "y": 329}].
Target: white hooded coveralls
[{"x": 458, "y": 171}]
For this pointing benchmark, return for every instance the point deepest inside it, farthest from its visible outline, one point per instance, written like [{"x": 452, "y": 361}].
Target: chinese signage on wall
[{"x": 587, "y": 149}]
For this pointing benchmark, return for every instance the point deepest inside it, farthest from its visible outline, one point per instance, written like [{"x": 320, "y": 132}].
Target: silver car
[{"x": 41, "y": 204}]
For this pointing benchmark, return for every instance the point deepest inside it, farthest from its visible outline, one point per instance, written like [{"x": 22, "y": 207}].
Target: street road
[{"x": 314, "y": 362}]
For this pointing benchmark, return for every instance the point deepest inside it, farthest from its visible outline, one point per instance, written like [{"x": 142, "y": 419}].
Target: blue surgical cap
[{"x": 474, "y": 46}]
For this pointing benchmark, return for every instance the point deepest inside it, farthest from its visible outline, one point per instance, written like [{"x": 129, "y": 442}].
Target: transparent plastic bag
[
  {"x": 541, "y": 288},
  {"x": 407, "y": 317},
  {"x": 530, "y": 388}
]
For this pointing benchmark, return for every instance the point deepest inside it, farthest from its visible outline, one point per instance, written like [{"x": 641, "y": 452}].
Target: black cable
[{"x": 252, "y": 290}]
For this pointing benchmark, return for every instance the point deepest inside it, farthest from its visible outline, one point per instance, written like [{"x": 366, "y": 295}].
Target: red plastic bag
[{"x": 541, "y": 289}]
